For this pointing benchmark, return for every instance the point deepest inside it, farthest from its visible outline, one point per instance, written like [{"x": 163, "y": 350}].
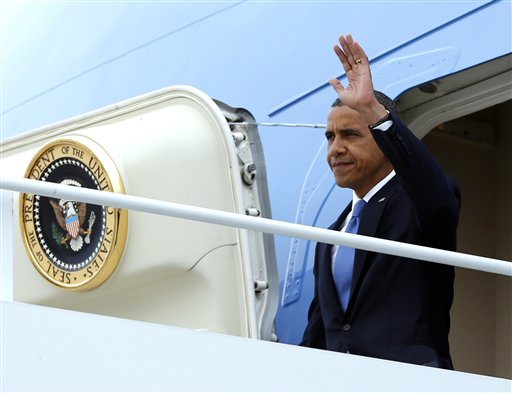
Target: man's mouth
[{"x": 341, "y": 165}]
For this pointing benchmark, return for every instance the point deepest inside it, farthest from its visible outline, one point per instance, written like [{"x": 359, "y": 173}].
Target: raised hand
[{"x": 359, "y": 94}]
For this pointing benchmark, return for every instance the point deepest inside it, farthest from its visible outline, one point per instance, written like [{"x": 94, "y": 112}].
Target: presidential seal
[{"x": 74, "y": 245}]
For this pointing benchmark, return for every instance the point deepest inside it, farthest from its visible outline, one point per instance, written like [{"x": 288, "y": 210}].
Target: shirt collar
[{"x": 376, "y": 188}]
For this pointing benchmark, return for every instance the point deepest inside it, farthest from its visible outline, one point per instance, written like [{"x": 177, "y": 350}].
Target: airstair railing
[{"x": 260, "y": 224}]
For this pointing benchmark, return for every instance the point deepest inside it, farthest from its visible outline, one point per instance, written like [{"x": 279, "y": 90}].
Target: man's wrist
[
  {"x": 373, "y": 113},
  {"x": 381, "y": 121}
]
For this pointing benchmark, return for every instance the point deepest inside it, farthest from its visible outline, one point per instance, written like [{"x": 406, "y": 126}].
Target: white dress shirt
[{"x": 376, "y": 188}]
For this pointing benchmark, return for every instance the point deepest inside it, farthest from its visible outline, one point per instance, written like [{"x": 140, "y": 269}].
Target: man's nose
[{"x": 338, "y": 146}]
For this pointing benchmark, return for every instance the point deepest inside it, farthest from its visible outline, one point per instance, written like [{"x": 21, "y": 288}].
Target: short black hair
[{"x": 383, "y": 99}]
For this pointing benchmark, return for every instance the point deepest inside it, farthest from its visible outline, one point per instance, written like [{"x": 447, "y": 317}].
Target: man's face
[{"x": 352, "y": 154}]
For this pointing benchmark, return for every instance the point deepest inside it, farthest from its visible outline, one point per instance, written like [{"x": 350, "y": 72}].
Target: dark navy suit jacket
[{"x": 398, "y": 308}]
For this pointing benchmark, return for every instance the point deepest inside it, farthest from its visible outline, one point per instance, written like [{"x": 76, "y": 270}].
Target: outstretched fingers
[
  {"x": 343, "y": 58},
  {"x": 346, "y": 45},
  {"x": 350, "y": 53},
  {"x": 358, "y": 54},
  {"x": 337, "y": 86}
]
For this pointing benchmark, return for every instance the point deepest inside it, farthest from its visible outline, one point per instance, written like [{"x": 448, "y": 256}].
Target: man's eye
[
  {"x": 351, "y": 134},
  {"x": 329, "y": 137}
]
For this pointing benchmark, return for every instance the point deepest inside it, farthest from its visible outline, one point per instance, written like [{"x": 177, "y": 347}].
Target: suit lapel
[
  {"x": 369, "y": 222},
  {"x": 337, "y": 224}
]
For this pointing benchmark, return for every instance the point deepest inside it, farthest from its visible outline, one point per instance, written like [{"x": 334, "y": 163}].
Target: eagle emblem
[
  {"x": 71, "y": 217},
  {"x": 74, "y": 245}
]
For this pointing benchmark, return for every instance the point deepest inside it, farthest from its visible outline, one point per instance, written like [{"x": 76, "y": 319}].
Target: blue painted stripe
[{"x": 301, "y": 97}]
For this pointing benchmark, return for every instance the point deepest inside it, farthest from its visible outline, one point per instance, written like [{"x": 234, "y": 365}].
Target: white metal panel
[
  {"x": 46, "y": 349},
  {"x": 172, "y": 145}
]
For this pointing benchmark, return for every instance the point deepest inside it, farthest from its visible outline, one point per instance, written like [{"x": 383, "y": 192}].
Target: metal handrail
[{"x": 260, "y": 224}]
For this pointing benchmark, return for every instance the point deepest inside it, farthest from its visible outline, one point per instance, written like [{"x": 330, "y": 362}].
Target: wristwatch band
[{"x": 381, "y": 121}]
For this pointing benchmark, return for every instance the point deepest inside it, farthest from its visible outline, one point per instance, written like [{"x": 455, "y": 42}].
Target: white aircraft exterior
[{"x": 183, "y": 304}]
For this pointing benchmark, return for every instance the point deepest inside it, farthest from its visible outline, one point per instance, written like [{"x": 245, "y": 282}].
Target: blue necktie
[{"x": 344, "y": 262}]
